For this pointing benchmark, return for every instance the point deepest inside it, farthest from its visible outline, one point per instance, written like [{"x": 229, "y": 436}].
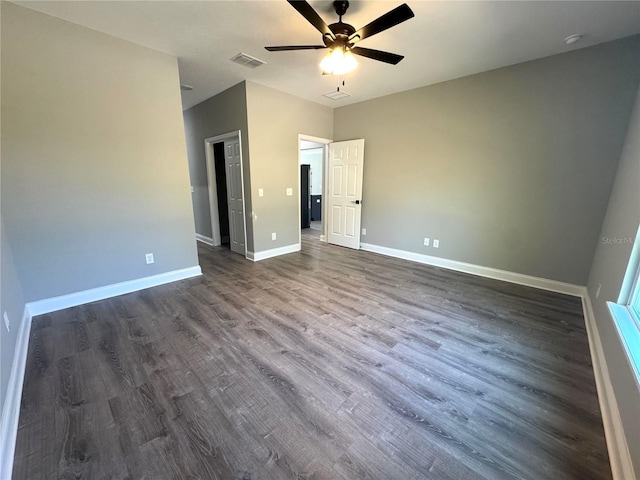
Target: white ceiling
[{"x": 445, "y": 40}]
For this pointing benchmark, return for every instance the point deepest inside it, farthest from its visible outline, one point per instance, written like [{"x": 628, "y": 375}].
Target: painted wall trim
[
  {"x": 619, "y": 455},
  {"x": 78, "y": 298},
  {"x": 11, "y": 408},
  {"x": 512, "y": 277},
  {"x": 13, "y": 396},
  {"x": 203, "y": 239},
  {"x": 274, "y": 252}
]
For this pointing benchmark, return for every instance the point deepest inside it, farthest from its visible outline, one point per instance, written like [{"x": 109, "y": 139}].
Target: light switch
[
  {"x": 289, "y": 192},
  {"x": 261, "y": 192}
]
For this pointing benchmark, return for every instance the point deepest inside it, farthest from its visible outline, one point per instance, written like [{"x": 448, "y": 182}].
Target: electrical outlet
[
  {"x": 149, "y": 258},
  {"x": 6, "y": 321},
  {"x": 426, "y": 242},
  {"x": 598, "y": 290},
  {"x": 436, "y": 243},
  {"x": 261, "y": 192},
  {"x": 273, "y": 236},
  {"x": 289, "y": 192},
  {"x": 364, "y": 231}
]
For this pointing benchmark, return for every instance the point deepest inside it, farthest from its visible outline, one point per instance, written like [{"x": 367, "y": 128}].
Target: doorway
[
  {"x": 221, "y": 191},
  {"x": 226, "y": 191},
  {"x": 312, "y": 154},
  {"x": 341, "y": 211}
]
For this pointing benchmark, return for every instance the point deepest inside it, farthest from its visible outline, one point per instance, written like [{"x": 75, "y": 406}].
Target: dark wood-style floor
[{"x": 323, "y": 364}]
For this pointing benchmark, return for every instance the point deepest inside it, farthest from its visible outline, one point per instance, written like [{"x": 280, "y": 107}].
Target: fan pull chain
[{"x": 340, "y": 82}]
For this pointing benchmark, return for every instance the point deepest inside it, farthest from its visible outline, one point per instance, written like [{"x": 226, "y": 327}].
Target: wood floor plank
[
  {"x": 200, "y": 440},
  {"x": 327, "y": 363},
  {"x": 40, "y": 376},
  {"x": 89, "y": 452}
]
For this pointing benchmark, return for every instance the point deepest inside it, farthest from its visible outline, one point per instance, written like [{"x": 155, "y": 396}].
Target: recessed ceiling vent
[
  {"x": 247, "y": 60},
  {"x": 338, "y": 95}
]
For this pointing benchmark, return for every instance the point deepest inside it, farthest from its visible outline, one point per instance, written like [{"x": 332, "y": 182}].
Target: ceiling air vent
[
  {"x": 337, "y": 95},
  {"x": 247, "y": 60}
]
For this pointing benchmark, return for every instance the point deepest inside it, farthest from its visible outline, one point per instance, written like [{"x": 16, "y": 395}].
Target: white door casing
[
  {"x": 233, "y": 164},
  {"x": 344, "y": 203}
]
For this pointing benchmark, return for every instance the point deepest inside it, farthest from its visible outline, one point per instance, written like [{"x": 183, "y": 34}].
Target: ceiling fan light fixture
[{"x": 339, "y": 61}]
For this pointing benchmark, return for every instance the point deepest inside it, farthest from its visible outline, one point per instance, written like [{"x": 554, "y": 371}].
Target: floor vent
[
  {"x": 337, "y": 95},
  {"x": 247, "y": 60}
]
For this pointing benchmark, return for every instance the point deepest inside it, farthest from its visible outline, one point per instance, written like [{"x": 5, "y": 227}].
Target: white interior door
[
  {"x": 233, "y": 163},
  {"x": 344, "y": 205}
]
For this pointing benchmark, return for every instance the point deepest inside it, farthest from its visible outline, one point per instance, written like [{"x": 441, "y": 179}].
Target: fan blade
[
  {"x": 380, "y": 24},
  {"x": 379, "y": 55},
  {"x": 312, "y": 17},
  {"x": 295, "y": 47}
]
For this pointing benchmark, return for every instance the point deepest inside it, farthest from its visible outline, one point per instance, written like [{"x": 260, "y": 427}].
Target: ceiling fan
[{"x": 341, "y": 37}]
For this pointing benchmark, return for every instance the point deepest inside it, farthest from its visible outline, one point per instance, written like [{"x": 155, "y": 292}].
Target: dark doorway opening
[
  {"x": 305, "y": 196},
  {"x": 221, "y": 189}
]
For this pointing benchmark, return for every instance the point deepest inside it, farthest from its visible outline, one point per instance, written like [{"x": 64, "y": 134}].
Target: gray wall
[
  {"x": 608, "y": 270},
  {"x": 509, "y": 169},
  {"x": 12, "y": 302},
  {"x": 275, "y": 120},
  {"x": 94, "y": 165},
  {"x": 224, "y": 113}
]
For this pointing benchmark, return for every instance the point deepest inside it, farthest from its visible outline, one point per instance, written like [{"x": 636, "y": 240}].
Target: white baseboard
[
  {"x": 619, "y": 455},
  {"x": 512, "y": 277},
  {"x": 274, "y": 252},
  {"x": 203, "y": 239},
  {"x": 13, "y": 396},
  {"x": 49, "y": 305},
  {"x": 323, "y": 238}
]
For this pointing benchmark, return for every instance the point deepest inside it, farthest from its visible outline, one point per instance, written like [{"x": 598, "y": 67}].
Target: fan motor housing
[{"x": 342, "y": 32}]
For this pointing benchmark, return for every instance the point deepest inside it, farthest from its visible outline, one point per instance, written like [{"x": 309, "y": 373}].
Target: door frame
[
  {"x": 325, "y": 152},
  {"x": 213, "y": 190}
]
